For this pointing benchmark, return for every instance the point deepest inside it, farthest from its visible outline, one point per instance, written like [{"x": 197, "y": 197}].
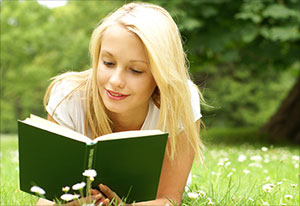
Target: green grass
[
  {"x": 10, "y": 193},
  {"x": 223, "y": 180}
]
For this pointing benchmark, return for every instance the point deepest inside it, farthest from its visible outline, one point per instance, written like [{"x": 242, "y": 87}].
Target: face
[{"x": 124, "y": 78}]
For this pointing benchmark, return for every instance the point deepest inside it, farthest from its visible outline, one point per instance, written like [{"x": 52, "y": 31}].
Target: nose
[{"x": 117, "y": 79}]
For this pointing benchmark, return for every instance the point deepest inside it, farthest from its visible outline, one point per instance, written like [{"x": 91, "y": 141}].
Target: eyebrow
[{"x": 110, "y": 54}]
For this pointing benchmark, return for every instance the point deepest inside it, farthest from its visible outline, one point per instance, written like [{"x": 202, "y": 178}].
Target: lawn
[{"x": 234, "y": 174}]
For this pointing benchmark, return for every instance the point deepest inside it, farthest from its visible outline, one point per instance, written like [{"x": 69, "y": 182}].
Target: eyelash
[{"x": 110, "y": 64}]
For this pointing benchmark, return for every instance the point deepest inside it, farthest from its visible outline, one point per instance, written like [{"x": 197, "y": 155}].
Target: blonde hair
[{"x": 162, "y": 40}]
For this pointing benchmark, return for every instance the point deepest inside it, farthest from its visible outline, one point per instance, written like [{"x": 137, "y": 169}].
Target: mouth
[{"x": 115, "y": 95}]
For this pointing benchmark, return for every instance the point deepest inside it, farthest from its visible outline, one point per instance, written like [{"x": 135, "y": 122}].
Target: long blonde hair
[{"x": 162, "y": 40}]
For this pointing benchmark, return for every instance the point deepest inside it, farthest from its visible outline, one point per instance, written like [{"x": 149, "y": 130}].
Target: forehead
[{"x": 117, "y": 39}]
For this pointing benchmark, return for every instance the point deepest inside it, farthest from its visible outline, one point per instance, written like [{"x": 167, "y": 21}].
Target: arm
[{"x": 173, "y": 176}]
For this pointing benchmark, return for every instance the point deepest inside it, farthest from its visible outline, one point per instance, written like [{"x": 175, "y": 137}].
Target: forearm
[
  {"x": 156, "y": 202},
  {"x": 44, "y": 202}
]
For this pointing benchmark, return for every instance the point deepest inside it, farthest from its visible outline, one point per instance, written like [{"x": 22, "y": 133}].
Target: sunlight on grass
[
  {"x": 234, "y": 175},
  {"x": 10, "y": 193}
]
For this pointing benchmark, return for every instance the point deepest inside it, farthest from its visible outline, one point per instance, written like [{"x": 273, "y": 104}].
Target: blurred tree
[
  {"x": 38, "y": 43},
  {"x": 247, "y": 52},
  {"x": 251, "y": 42}
]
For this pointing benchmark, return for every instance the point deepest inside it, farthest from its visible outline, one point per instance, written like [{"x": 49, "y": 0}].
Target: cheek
[
  {"x": 148, "y": 87},
  {"x": 102, "y": 77}
]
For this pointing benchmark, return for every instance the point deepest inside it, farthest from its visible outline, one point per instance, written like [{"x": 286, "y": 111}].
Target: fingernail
[{"x": 103, "y": 188}]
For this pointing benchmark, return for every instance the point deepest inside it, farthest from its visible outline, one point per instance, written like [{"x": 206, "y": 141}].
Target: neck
[{"x": 126, "y": 122}]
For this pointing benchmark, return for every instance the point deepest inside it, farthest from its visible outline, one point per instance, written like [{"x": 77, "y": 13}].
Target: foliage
[
  {"x": 38, "y": 45},
  {"x": 246, "y": 52}
]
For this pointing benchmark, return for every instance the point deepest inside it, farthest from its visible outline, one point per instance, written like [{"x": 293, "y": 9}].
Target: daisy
[
  {"x": 37, "y": 190},
  {"x": 67, "y": 197},
  {"x": 193, "y": 195},
  {"x": 78, "y": 186},
  {"x": 288, "y": 197},
  {"x": 242, "y": 158},
  {"x": 66, "y": 189}
]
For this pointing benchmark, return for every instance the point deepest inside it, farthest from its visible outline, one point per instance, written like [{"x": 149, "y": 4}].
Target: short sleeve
[
  {"x": 62, "y": 104},
  {"x": 195, "y": 100}
]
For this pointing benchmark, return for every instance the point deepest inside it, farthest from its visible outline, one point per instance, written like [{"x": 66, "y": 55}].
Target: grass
[{"x": 223, "y": 179}]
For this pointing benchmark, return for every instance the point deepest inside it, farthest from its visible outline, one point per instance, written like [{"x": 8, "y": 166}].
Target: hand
[
  {"x": 94, "y": 197},
  {"x": 112, "y": 197}
]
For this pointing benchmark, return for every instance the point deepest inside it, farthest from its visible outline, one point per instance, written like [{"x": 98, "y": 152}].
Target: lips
[{"x": 115, "y": 95}]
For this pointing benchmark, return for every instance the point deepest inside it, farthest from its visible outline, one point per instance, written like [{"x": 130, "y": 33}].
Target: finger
[
  {"x": 101, "y": 200},
  {"x": 105, "y": 202},
  {"x": 94, "y": 191},
  {"x": 109, "y": 193},
  {"x": 97, "y": 196},
  {"x": 92, "y": 198}
]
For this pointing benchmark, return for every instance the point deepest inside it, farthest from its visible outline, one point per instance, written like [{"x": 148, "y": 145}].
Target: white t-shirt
[{"x": 71, "y": 112}]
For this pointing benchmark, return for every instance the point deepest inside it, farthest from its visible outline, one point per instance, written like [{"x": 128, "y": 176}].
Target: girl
[{"x": 139, "y": 80}]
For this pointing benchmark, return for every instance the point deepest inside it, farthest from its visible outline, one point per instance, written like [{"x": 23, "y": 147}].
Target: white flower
[
  {"x": 256, "y": 158},
  {"x": 242, "y": 158},
  {"x": 233, "y": 169},
  {"x": 279, "y": 183},
  {"x": 220, "y": 163},
  {"x": 267, "y": 188},
  {"x": 229, "y": 174},
  {"x": 210, "y": 203},
  {"x": 193, "y": 195},
  {"x": 78, "y": 186},
  {"x": 282, "y": 203},
  {"x": 264, "y": 149},
  {"x": 37, "y": 190},
  {"x": 201, "y": 193},
  {"x": 266, "y": 171},
  {"x": 66, "y": 189},
  {"x": 250, "y": 199},
  {"x": 296, "y": 165},
  {"x": 268, "y": 178},
  {"x": 288, "y": 197},
  {"x": 76, "y": 196},
  {"x": 246, "y": 171},
  {"x": 265, "y": 203},
  {"x": 295, "y": 157},
  {"x": 90, "y": 173},
  {"x": 69, "y": 197},
  {"x": 266, "y": 160},
  {"x": 227, "y": 164},
  {"x": 294, "y": 185},
  {"x": 254, "y": 164}
]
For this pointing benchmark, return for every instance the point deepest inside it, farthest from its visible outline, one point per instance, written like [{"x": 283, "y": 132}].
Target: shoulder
[
  {"x": 195, "y": 99},
  {"x": 65, "y": 83},
  {"x": 66, "y": 102}
]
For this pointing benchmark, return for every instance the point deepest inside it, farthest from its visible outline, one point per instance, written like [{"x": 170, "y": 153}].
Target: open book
[{"x": 52, "y": 157}]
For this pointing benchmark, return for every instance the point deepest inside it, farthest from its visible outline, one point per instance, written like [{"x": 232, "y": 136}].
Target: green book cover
[{"x": 52, "y": 157}]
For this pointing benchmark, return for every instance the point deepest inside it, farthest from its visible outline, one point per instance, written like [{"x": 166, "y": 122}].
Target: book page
[
  {"x": 128, "y": 134},
  {"x": 55, "y": 128}
]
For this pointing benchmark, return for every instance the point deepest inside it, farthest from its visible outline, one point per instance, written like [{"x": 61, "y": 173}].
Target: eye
[
  {"x": 109, "y": 64},
  {"x": 136, "y": 71}
]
